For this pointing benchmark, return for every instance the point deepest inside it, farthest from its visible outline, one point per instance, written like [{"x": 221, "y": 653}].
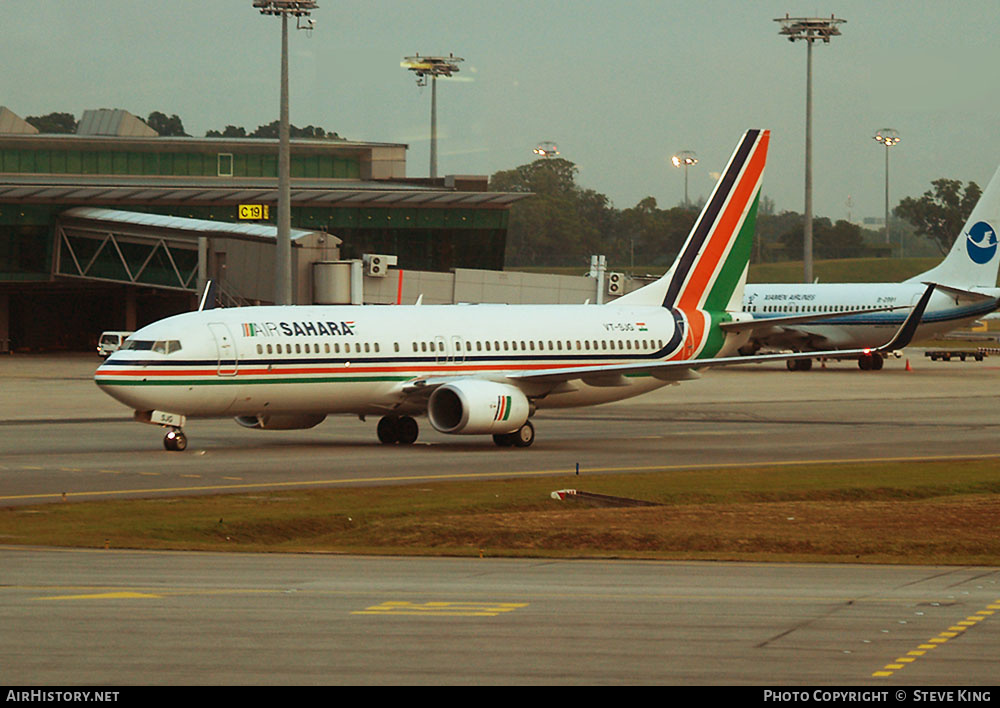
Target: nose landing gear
[{"x": 175, "y": 440}]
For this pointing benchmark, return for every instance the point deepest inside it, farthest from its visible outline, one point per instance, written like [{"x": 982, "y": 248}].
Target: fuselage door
[{"x": 226, "y": 348}]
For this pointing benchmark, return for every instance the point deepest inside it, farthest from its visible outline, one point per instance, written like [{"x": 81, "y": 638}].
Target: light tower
[
  {"x": 546, "y": 149},
  {"x": 887, "y": 137},
  {"x": 283, "y": 256},
  {"x": 810, "y": 29},
  {"x": 433, "y": 67},
  {"x": 685, "y": 159}
]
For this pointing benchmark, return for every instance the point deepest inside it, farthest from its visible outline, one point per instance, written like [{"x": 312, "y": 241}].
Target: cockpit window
[
  {"x": 168, "y": 346},
  {"x": 165, "y": 346}
]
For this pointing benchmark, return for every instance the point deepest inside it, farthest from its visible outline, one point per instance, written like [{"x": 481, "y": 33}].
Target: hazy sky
[{"x": 619, "y": 86}]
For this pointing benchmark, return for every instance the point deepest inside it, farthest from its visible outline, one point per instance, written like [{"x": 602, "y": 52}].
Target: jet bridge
[{"x": 177, "y": 253}]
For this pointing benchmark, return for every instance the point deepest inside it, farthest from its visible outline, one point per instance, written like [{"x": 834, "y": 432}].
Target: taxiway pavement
[{"x": 60, "y": 437}]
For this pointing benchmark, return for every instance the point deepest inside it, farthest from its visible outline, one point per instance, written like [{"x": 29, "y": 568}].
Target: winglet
[
  {"x": 209, "y": 296},
  {"x": 905, "y": 333}
]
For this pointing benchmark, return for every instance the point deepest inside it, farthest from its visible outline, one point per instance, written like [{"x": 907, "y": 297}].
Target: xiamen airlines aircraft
[
  {"x": 966, "y": 291},
  {"x": 472, "y": 369}
]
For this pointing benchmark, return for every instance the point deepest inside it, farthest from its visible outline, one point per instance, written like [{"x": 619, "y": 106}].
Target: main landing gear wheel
[
  {"x": 522, "y": 437},
  {"x": 175, "y": 440},
  {"x": 870, "y": 362},
  {"x": 397, "y": 429},
  {"x": 799, "y": 364}
]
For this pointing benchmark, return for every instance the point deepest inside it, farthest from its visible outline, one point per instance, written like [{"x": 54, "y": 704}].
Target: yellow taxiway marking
[
  {"x": 505, "y": 475},
  {"x": 105, "y": 596},
  {"x": 955, "y": 630},
  {"x": 441, "y": 609}
]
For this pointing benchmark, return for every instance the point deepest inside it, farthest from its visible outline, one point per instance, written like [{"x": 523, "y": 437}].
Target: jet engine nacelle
[
  {"x": 288, "y": 421},
  {"x": 472, "y": 407}
]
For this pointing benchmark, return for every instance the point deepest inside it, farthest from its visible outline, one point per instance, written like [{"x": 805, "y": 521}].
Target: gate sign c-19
[{"x": 253, "y": 211}]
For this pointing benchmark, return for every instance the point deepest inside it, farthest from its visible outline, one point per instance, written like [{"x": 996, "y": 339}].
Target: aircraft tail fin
[
  {"x": 710, "y": 270},
  {"x": 973, "y": 260}
]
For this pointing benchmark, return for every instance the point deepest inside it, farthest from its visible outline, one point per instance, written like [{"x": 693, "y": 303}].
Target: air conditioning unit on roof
[{"x": 377, "y": 264}]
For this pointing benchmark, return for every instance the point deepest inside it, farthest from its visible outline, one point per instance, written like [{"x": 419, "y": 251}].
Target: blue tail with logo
[{"x": 974, "y": 259}]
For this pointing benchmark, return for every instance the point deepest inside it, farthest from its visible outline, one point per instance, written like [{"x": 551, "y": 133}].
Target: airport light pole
[
  {"x": 887, "y": 137},
  {"x": 809, "y": 29},
  {"x": 433, "y": 67},
  {"x": 685, "y": 159},
  {"x": 283, "y": 255},
  {"x": 546, "y": 149}
]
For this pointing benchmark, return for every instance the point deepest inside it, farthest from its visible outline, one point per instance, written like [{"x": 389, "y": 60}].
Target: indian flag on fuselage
[{"x": 707, "y": 278}]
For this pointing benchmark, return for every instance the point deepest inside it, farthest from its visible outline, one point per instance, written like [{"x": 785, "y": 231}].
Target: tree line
[{"x": 563, "y": 224}]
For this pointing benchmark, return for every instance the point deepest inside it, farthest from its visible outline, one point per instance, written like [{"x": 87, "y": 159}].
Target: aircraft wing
[
  {"x": 962, "y": 294},
  {"x": 684, "y": 368},
  {"x": 770, "y": 322},
  {"x": 549, "y": 380}
]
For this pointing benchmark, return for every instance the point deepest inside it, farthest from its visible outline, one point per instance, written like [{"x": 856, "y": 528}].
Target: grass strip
[{"x": 930, "y": 512}]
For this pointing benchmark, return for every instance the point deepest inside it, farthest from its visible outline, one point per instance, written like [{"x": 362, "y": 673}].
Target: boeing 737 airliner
[
  {"x": 472, "y": 369},
  {"x": 967, "y": 290}
]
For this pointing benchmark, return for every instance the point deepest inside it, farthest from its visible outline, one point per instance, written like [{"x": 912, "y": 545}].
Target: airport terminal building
[{"x": 115, "y": 226}]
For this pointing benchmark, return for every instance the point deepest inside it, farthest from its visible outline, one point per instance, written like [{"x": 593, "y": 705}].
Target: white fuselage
[
  {"x": 851, "y": 331},
  {"x": 361, "y": 359}
]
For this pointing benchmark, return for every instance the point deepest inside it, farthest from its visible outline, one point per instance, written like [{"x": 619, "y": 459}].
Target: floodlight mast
[
  {"x": 433, "y": 67},
  {"x": 548, "y": 149},
  {"x": 685, "y": 159},
  {"x": 283, "y": 255},
  {"x": 888, "y": 137},
  {"x": 810, "y": 29}
]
